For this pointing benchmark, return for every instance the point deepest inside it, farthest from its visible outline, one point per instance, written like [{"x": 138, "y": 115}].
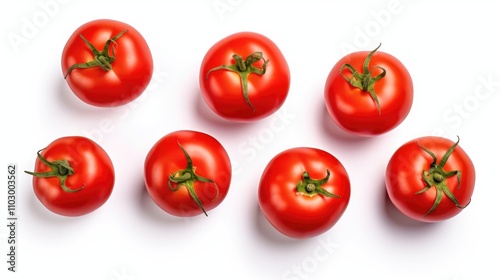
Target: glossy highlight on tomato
[
  {"x": 430, "y": 179},
  {"x": 368, "y": 93},
  {"x": 107, "y": 63},
  {"x": 73, "y": 176},
  {"x": 303, "y": 192},
  {"x": 187, "y": 173},
  {"x": 244, "y": 77}
]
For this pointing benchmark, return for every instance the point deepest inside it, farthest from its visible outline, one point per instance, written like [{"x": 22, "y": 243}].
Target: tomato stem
[
  {"x": 101, "y": 58},
  {"x": 364, "y": 80},
  {"x": 436, "y": 177},
  {"x": 59, "y": 168},
  {"x": 311, "y": 187},
  {"x": 244, "y": 68},
  {"x": 187, "y": 177}
]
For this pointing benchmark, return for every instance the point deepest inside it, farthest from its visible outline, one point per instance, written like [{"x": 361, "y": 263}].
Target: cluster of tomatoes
[{"x": 245, "y": 77}]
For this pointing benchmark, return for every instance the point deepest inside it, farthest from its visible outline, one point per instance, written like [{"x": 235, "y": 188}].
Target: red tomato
[
  {"x": 303, "y": 192},
  {"x": 368, "y": 93},
  {"x": 187, "y": 173},
  {"x": 107, "y": 63},
  {"x": 244, "y": 77},
  {"x": 73, "y": 176},
  {"x": 430, "y": 179}
]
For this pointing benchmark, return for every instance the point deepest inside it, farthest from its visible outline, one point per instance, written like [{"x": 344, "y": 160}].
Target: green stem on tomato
[
  {"x": 436, "y": 177},
  {"x": 187, "y": 177},
  {"x": 244, "y": 68},
  {"x": 101, "y": 58},
  {"x": 60, "y": 169},
  {"x": 311, "y": 187},
  {"x": 364, "y": 80}
]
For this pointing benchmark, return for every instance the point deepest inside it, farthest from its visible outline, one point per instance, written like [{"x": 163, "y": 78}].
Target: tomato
[
  {"x": 303, "y": 192},
  {"x": 430, "y": 179},
  {"x": 368, "y": 93},
  {"x": 73, "y": 176},
  {"x": 244, "y": 77},
  {"x": 187, "y": 173},
  {"x": 107, "y": 63}
]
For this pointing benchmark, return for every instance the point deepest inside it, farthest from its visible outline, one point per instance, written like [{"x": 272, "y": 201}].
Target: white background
[{"x": 451, "y": 50}]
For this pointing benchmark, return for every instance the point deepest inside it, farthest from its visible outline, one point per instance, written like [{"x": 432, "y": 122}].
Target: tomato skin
[
  {"x": 404, "y": 179},
  {"x": 353, "y": 109},
  {"x": 93, "y": 170},
  {"x": 210, "y": 160},
  {"x": 222, "y": 89},
  {"x": 300, "y": 216},
  {"x": 131, "y": 71}
]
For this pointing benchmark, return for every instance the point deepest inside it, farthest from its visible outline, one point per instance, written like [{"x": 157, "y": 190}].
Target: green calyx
[
  {"x": 60, "y": 169},
  {"x": 436, "y": 177},
  {"x": 311, "y": 187},
  {"x": 364, "y": 80},
  {"x": 101, "y": 58},
  {"x": 244, "y": 68},
  {"x": 187, "y": 177}
]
